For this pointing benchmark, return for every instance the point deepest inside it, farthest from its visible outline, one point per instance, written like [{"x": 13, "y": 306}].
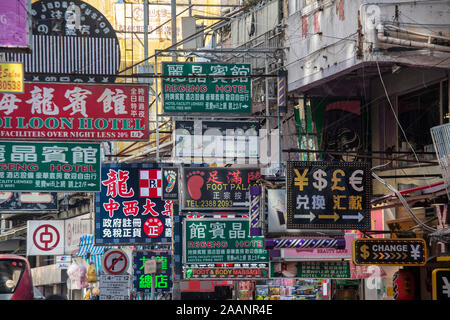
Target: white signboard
[
  {"x": 74, "y": 229},
  {"x": 45, "y": 237},
  {"x": 115, "y": 287},
  {"x": 63, "y": 262}
]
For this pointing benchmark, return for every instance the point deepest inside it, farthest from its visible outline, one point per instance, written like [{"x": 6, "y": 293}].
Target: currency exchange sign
[
  {"x": 49, "y": 166},
  {"x": 221, "y": 241},
  {"x": 328, "y": 195},
  {"x": 69, "y": 111},
  {"x": 186, "y": 91},
  {"x": 399, "y": 252},
  {"x": 129, "y": 208}
]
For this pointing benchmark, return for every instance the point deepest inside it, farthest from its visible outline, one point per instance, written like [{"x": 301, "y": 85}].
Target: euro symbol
[
  {"x": 355, "y": 181},
  {"x": 365, "y": 252}
]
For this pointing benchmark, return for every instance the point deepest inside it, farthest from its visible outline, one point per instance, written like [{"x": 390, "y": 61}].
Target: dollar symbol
[
  {"x": 320, "y": 182},
  {"x": 365, "y": 252}
]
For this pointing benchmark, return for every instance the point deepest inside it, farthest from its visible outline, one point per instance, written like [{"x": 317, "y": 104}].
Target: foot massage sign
[{"x": 218, "y": 188}]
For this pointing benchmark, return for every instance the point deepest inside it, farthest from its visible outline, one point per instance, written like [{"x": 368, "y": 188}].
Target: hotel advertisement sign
[
  {"x": 49, "y": 166},
  {"x": 63, "y": 111},
  {"x": 185, "y": 91}
]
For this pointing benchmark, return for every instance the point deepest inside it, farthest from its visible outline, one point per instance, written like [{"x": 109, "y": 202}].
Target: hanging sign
[
  {"x": 142, "y": 281},
  {"x": 11, "y": 77},
  {"x": 129, "y": 208},
  {"x": 328, "y": 195},
  {"x": 218, "y": 188},
  {"x": 170, "y": 183},
  {"x": 311, "y": 269},
  {"x": 213, "y": 94},
  {"x": 401, "y": 252},
  {"x": 441, "y": 284},
  {"x": 49, "y": 166},
  {"x": 63, "y": 111},
  {"x": 45, "y": 237},
  {"x": 14, "y": 24}
]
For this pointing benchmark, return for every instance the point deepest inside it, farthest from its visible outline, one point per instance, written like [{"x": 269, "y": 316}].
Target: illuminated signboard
[
  {"x": 142, "y": 282},
  {"x": 129, "y": 208},
  {"x": 328, "y": 195},
  {"x": 217, "y": 188}
]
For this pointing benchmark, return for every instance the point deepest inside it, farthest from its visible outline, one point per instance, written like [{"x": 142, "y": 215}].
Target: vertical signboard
[
  {"x": 441, "y": 284},
  {"x": 328, "y": 195},
  {"x": 61, "y": 111},
  {"x": 49, "y": 166},
  {"x": 170, "y": 183},
  {"x": 129, "y": 208},
  {"x": 74, "y": 229},
  {"x": 142, "y": 282},
  {"x": 218, "y": 188},
  {"x": 45, "y": 237},
  {"x": 13, "y": 23},
  {"x": 185, "y": 91}
]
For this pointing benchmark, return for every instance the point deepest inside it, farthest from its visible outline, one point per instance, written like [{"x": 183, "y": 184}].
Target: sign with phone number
[{"x": 11, "y": 77}]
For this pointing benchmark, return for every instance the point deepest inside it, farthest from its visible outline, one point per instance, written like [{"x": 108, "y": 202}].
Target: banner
[
  {"x": 129, "y": 208},
  {"x": 60, "y": 111},
  {"x": 213, "y": 94},
  {"x": 49, "y": 166}
]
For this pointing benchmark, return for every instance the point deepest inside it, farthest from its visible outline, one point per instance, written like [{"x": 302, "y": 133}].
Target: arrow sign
[
  {"x": 334, "y": 216},
  {"x": 309, "y": 216},
  {"x": 358, "y": 217}
]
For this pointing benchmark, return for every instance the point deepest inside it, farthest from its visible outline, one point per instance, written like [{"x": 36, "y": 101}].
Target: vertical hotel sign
[
  {"x": 53, "y": 166},
  {"x": 75, "y": 112},
  {"x": 328, "y": 195},
  {"x": 226, "y": 88}
]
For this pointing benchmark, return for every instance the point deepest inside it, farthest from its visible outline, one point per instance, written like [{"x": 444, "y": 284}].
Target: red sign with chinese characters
[{"x": 75, "y": 112}]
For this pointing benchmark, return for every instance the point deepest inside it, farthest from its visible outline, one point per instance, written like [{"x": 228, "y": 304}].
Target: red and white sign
[
  {"x": 153, "y": 227},
  {"x": 63, "y": 111},
  {"x": 45, "y": 237},
  {"x": 115, "y": 261},
  {"x": 150, "y": 183}
]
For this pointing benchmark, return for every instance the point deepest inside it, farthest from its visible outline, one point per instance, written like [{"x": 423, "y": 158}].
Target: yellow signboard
[{"x": 11, "y": 77}]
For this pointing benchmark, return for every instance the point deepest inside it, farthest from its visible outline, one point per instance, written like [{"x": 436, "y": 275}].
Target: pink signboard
[
  {"x": 72, "y": 111},
  {"x": 13, "y": 23},
  {"x": 320, "y": 253}
]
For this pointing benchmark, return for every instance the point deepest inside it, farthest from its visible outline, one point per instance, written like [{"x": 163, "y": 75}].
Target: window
[{"x": 11, "y": 272}]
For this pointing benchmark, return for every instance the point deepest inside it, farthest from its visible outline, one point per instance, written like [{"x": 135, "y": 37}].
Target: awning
[{"x": 90, "y": 252}]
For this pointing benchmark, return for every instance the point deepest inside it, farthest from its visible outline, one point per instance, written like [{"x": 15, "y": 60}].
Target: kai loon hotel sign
[{"x": 75, "y": 112}]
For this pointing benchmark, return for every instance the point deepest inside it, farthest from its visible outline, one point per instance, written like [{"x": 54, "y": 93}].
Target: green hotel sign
[
  {"x": 226, "y": 88},
  {"x": 49, "y": 166},
  {"x": 221, "y": 241}
]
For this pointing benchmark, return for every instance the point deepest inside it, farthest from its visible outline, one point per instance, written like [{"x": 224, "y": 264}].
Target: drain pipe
[{"x": 408, "y": 43}]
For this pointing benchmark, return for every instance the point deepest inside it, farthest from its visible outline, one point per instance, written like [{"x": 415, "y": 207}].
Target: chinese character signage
[
  {"x": 216, "y": 139},
  {"x": 13, "y": 23},
  {"x": 244, "y": 273},
  {"x": 11, "y": 77},
  {"x": 311, "y": 269},
  {"x": 129, "y": 208},
  {"x": 217, "y": 188},
  {"x": 142, "y": 282},
  {"x": 399, "y": 252},
  {"x": 328, "y": 195},
  {"x": 221, "y": 241},
  {"x": 213, "y": 94},
  {"x": 45, "y": 166},
  {"x": 75, "y": 112}
]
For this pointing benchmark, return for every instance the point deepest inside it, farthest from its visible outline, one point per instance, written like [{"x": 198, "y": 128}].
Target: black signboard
[
  {"x": 441, "y": 284},
  {"x": 396, "y": 252},
  {"x": 28, "y": 201},
  {"x": 142, "y": 282},
  {"x": 328, "y": 195},
  {"x": 218, "y": 188},
  {"x": 170, "y": 182}
]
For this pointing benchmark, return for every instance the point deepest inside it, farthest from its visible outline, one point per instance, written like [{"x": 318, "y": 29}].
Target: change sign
[
  {"x": 39, "y": 166},
  {"x": 401, "y": 252},
  {"x": 185, "y": 91},
  {"x": 328, "y": 195}
]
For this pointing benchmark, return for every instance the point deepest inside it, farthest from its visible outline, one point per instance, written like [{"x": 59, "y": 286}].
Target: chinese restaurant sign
[
  {"x": 212, "y": 94},
  {"x": 217, "y": 188},
  {"x": 49, "y": 166},
  {"x": 328, "y": 195},
  {"x": 221, "y": 241},
  {"x": 75, "y": 112},
  {"x": 11, "y": 77},
  {"x": 129, "y": 208},
  {"x": 399, "y": 252},
  {"x": 142, "y": 282}
]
